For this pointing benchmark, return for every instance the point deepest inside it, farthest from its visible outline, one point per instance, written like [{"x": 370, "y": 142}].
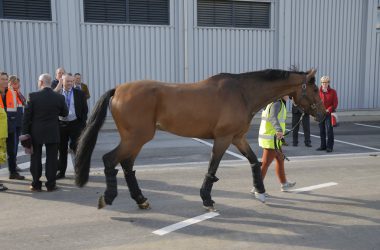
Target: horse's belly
[{"x": 186, "y": 128}]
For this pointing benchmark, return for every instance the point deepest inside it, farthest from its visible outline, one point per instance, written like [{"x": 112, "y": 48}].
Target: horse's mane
[{"x": 264, "y": 75}]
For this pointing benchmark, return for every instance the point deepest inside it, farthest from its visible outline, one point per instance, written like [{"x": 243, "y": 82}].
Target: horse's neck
[{"x": 260, "y": 94}]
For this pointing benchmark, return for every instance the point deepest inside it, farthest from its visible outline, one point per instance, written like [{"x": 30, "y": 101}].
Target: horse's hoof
[
  {"x": 210, "y": 208},
  {"x": 144, "y": 205},
  {"x": 101, "y": 202}
]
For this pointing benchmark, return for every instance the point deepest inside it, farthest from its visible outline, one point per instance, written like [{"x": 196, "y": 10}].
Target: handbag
[{"x": 334, "y": 119}]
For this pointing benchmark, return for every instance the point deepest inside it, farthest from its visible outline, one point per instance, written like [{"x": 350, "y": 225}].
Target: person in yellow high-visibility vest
[
  {"x": 3, "y": 122},
  {"x": 273, "y": 123}
]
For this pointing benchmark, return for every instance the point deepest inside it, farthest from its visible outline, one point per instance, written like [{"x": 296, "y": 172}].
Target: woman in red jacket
[{"x": 330, "y": 100}]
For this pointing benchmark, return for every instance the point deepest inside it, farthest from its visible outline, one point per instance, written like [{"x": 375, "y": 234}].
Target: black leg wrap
[
  {"x": 257, "y": 179},
  {"x": 206, "y": 189},
  {"x": 133, "y": 187},
  {"x": 111, "y": 191}
]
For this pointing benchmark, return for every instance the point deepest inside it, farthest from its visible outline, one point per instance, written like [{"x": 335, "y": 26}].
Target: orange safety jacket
[
  {"x": 13, "y": 101},
  {"x": 1, "y": 102}
]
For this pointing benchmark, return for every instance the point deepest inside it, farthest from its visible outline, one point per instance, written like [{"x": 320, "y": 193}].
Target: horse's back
[{"x": 192, "y": 110}]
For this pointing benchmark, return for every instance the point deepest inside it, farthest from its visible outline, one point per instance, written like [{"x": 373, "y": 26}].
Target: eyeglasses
[{"x": 325, "y": 82}]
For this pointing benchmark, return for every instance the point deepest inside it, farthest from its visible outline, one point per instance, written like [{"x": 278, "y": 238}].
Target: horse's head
[{"x": 307, "y": 97}]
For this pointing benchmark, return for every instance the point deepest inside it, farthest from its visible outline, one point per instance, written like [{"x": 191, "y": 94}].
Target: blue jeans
[{"x": 323, "y": 126}]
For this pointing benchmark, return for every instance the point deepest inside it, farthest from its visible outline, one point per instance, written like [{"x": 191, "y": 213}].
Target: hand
[
  {"x": 59, "y": 85},
  {"x": 279, "y": 135}
]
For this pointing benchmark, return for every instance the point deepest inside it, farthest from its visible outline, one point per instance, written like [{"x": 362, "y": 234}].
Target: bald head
[{"x": 44, "y": 81}]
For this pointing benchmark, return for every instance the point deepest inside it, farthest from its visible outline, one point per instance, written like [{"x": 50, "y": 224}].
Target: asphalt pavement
[{"x": 335, "y": 204}]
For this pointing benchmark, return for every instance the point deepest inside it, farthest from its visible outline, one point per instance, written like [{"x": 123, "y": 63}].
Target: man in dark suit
[
  {"x": 57, "y": 82},
  {"x": 296, "y": 116},
  {"x": 41, "y": 123},
  {"x": 71, "y": 126}
]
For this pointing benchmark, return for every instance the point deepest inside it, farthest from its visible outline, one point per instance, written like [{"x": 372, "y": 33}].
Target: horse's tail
[{"x": 87, "y": 140}]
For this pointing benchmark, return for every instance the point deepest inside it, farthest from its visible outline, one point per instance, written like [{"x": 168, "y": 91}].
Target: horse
[{"x": 219, "y": 108}]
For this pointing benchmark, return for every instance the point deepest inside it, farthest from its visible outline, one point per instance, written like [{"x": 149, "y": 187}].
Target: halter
[{"x": 304, "y": 95}]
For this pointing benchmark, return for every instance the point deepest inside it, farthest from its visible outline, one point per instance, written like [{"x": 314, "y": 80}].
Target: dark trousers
[
  {"x": 12, "y": 147},
  {"x": 50, "y": 166},
  {"x": 69, "y": 131},
  {"x": 305, "y": 125},
  {"x": 17, "y": 140},
  {"x": 323, "y": 126}
]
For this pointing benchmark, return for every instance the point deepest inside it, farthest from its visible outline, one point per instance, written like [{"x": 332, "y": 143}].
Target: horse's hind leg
[
  {"x": 243, "y": 146},
  {"x": 220, "y": 146},
  {"x": 133, "y": 186},
  {"x": 110, "y": 161}
]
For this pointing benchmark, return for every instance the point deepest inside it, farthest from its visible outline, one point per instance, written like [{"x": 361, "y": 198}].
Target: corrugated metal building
[{"x": 114, "y": 41}]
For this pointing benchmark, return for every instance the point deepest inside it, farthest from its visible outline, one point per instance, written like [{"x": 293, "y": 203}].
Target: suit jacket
[
  {"x": 80, "y": 103},
  {"x": 296, "y": 109},
  {"x": 41, "y": 116}
]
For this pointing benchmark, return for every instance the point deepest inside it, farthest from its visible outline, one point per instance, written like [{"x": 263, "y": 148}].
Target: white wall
[{"x": 337, "y": 37}]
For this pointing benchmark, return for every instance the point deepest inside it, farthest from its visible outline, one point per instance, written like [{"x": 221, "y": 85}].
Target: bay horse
[{"x": 219, "y": 108}]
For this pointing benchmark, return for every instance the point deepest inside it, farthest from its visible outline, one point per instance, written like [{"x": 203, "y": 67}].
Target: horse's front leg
[
  {"x": 258, "y": 184},
  {"x": 220, "y": 146}
]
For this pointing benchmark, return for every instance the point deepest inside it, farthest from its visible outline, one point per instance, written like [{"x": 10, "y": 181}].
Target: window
[
  {"x": 26, "y": 9},
  {"x": 127, "y": 11},
  {"x": 244, "y": 14}
]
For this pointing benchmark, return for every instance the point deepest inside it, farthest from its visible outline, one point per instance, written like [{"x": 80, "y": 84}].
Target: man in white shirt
[{"x": 71, "y": 125}]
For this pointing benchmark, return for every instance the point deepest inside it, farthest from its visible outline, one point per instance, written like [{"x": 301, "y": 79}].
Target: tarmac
[
  {"x": 341, "y": 216},
  {"x": 335, "y": 204}
]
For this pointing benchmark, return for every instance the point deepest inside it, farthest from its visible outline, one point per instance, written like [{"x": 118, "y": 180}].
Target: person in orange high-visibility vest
[{"x": 15, "y": 109}]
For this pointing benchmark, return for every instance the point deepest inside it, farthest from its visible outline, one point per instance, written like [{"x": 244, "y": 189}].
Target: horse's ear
[{"x": 310, "y": 74}]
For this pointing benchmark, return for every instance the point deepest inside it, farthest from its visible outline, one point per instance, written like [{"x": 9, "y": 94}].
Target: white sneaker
[
  {"x": 253, "y": 191},
  {"x": 260, "y": 197},
  {"x": 287, "y": 186}
]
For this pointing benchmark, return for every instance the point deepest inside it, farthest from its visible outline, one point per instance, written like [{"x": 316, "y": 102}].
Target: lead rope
[{"x": 277, "y": 146}]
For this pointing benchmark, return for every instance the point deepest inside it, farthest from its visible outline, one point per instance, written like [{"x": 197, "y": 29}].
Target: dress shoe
[
  {"x": 308, "y": 145},
  {"x": 3, "y": 188},
  {"x": 52, "y": 189},
  {"x": 16, "y": 176},
  {"x": 321, "y": 149},
  {"x": 329, "y": 150},
  {"x": 60, "y": 176},
  {"x": 34, "y": 189},
  {"x": 295, "y": 144}
]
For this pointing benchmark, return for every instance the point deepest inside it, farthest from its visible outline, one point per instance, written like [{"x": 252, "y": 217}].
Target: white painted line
[
  {"x": 26, "y": 165},
  {"x": 349, "y": 143},
  {"x": 365, "y": 125},
  {"x": 21, "y": 152},
  {"x": 70, "y": 165},
  {"x": 185, "y": 223},
  {"x": 333, "y": 156},
  {"x": 305, "y": 189},
  {"x": 227, "y": 151}
]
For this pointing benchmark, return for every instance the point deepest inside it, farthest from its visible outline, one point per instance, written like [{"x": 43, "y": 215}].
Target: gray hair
[
  {"x": 58, "y": 69},
  {"x": 45, "y": 78}
]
